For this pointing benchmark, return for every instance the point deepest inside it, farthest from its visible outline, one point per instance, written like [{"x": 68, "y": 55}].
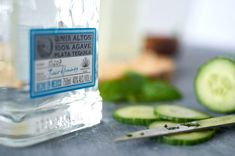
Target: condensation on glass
[{"x": 24, "y": 120}]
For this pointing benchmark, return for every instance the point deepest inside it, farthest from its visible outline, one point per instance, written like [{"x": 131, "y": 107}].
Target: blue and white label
[{"x": 61, "y": 60}]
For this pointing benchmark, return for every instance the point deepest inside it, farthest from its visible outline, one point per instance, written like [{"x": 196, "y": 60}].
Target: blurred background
[
  {"x": 132, "y": 30},
  {"x": 147, "y": 35},
  {"x": 126, "y": 23}
]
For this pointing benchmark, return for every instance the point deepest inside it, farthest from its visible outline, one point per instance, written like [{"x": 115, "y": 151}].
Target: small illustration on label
[
  {"x": 85, "y": 62},
  {"x": 45, "y": 47},
  {"x": 61, "y": 60}
]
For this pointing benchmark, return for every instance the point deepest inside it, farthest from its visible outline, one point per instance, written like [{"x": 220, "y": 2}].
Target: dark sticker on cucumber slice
[
  {"x": 190, "y": 138},
  {"x": 215, "y": 85},
  {"x": 178, "y": 113},
  {"x": 136, "y": 115}
]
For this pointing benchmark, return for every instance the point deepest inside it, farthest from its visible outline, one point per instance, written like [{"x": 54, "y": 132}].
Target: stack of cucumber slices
[
  {"x": 214, "y": 87},
  {"x": 170, "y": 115}
]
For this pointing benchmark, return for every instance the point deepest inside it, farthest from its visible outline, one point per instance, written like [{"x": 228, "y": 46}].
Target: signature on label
[{"x": 62, "y": 71}]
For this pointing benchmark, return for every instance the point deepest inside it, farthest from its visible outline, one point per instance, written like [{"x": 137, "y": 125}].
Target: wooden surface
[
  {"x": 148, "y": 63},
  {"x": 98, "y": 140}
]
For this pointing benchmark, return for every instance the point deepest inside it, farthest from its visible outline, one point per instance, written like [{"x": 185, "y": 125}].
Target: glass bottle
[{"x": 47, "y": 90}]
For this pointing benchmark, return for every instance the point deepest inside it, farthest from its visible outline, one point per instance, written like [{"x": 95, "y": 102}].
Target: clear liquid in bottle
[{"x": 45, "y": 96}]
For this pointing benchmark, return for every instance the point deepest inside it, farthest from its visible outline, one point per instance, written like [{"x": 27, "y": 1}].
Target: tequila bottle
[{"x": 48, "y": 69}]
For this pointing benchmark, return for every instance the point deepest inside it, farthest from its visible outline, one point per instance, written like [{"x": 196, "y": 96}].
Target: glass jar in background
[{"x": 121, "y": 38}]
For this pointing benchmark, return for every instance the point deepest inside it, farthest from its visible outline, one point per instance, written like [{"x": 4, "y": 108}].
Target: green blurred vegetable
[{"x": 133, "y": 87}]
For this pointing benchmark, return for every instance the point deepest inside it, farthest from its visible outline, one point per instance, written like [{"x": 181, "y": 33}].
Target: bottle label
[{"x": 61, "y": 60}]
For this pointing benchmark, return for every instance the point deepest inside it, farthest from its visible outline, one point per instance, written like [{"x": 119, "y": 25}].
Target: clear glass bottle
[{"x": 27, "y": 116}]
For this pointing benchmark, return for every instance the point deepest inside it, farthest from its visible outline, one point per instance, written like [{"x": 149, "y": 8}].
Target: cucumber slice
[
  {"x": 190, "y": 138},
  {"x": 215, "y": 85},
  {"x": 137, "y": 115},
  {"x": 178, "y": 113}
]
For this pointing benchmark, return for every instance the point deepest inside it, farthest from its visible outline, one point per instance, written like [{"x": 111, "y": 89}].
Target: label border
[{"x": 52, "y": 31}]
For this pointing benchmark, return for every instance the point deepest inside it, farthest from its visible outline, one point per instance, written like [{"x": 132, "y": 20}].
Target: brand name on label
[{"x": 69, "y": 38}]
